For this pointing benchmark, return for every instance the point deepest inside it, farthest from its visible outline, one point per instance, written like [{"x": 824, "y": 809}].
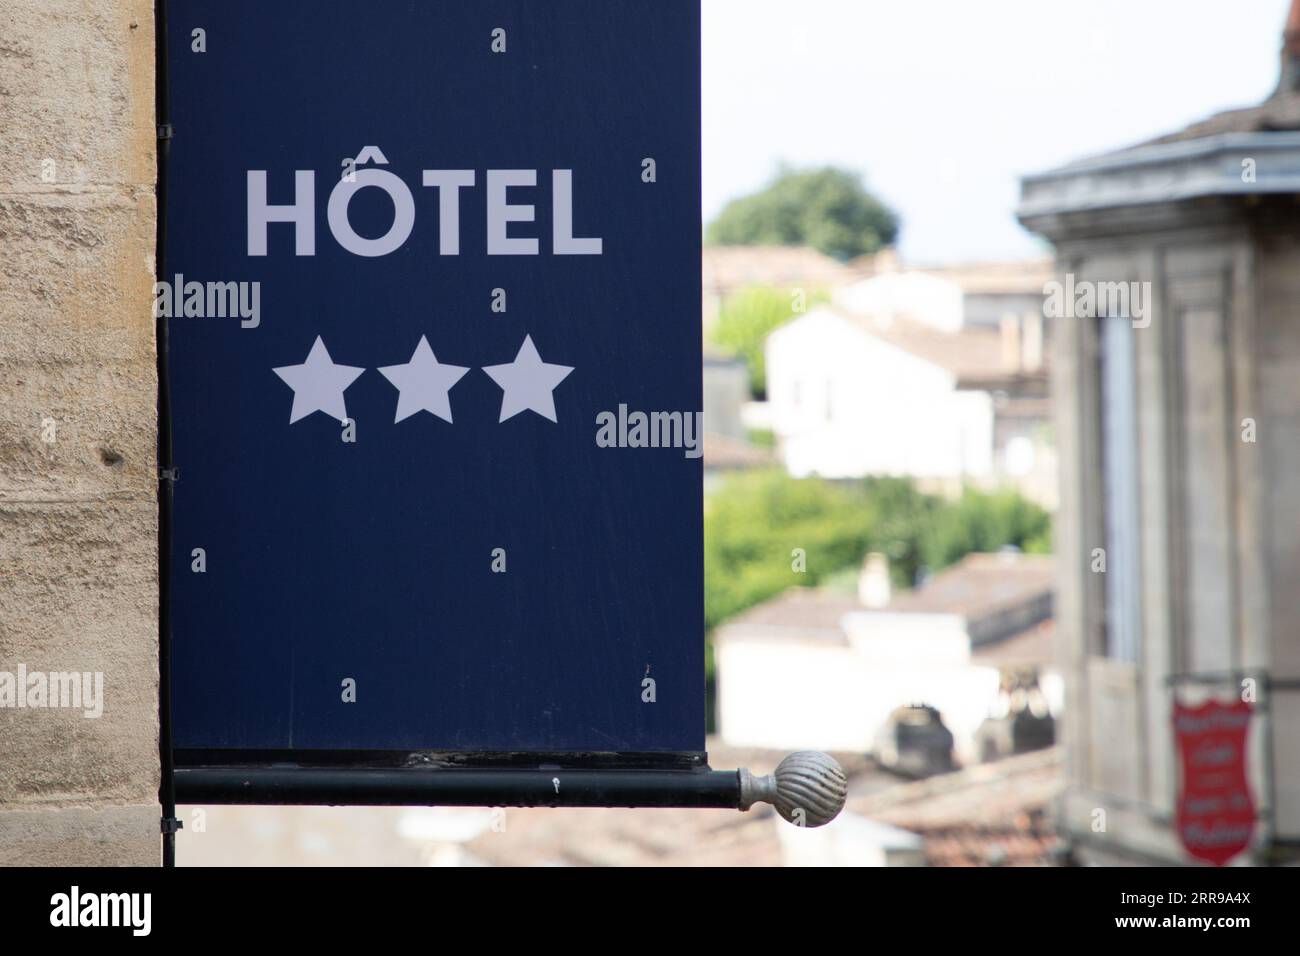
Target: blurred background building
[
  {"x": 1178, "y": 536},
  {"x": 820, "y": 667}
]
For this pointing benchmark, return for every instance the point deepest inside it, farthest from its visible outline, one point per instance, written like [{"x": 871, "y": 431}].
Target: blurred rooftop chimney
[
  {"x": 873, "y": 581},
  {"x": 1289, "y": 82}
]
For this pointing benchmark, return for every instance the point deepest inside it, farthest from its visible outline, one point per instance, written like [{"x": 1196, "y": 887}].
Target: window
[{"x": 1117, "y": 374}]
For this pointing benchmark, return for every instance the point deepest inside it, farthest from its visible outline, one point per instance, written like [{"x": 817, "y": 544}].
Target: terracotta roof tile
[
  {"x": 981, "y": 584},
  {"x": 974, "y": 355},
  {"x": 978, "y": 587},
  {"x": 996, "y": 814},
  {"x": 735, "y": 267},
  {"x": 1014, "y": 277},
  {"x": 814, "y": 612},
  {"x": 1280, "y": 113}
]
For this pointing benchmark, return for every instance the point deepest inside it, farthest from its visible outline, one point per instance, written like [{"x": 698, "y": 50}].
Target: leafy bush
[
  {"x": 744, "y": 322},
  {"x": 825, "y": 208},
  {"x": 754, "y": 521}
]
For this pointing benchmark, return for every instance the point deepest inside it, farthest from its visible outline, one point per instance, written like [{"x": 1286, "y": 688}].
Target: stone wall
[
  {"x": 1218, "y": 557},
  {"x": 78, "y": 385}
]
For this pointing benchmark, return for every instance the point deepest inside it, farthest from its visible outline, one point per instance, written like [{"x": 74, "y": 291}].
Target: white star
[
  {"x": 527, "y": 382},
  {"x": 318, "y": 384},
  {"x": 423, "y": 384}
]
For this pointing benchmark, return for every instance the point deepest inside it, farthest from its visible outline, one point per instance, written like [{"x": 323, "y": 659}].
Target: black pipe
[
  {"x": 166, "y": 794},
  {"x": 458, "y": 787}
]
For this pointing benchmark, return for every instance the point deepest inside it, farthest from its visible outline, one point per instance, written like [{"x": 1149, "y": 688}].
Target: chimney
[
  {"x": 1289, "y": 82},
  {"x": 873, "y": 581},
  {"x": 1011, "y": 356}
]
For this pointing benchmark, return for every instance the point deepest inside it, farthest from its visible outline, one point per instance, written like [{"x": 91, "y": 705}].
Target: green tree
[
  {"x": 985, "y": 521},
  {"x": 755, "y": 520},
  {"x": 826, "y": 208},
  {"x": 744, "y": 322},
  {"x": 753, "y": 523}
]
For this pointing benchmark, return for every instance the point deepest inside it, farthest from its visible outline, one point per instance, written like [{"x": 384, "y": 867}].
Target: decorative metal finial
[{"x": 807, "y": 788}]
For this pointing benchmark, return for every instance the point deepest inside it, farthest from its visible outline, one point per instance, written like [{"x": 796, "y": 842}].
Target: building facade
[{"x": 1176, "y": 385}]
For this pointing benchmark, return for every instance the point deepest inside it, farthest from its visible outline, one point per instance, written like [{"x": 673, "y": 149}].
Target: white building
[
  {"x": 910, "y": 294},
  {"x": 813, "y": 669},
  {"x": 929, "y": 373},
  {"x": 851, "y": 395}
]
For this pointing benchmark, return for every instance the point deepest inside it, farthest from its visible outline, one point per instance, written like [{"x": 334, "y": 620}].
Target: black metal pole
[
  {"x": 166, "y": 789},
  {"x": 459, "y": 787}
]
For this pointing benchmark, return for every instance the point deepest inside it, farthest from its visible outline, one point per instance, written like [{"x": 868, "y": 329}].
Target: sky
[{"x": 943, "y": 104}]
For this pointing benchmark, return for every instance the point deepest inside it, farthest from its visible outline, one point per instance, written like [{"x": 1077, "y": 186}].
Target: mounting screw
[{"x": 807, "y": 788}]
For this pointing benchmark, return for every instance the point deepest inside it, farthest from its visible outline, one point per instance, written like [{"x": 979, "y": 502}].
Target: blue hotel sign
[{"x": 432, "y": 284}]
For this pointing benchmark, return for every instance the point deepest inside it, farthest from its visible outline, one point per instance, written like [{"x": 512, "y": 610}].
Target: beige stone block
[
  {"x": 76, "y": 87},
  {"x": 78, "y": 432},
  {"x": 77, "y": 284},
  {"x": 81, "y": 836},
  {"x": 78, "y": 592}
]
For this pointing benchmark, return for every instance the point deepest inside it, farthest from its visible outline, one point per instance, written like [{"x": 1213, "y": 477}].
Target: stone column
[{"x": 78, "y": 392}]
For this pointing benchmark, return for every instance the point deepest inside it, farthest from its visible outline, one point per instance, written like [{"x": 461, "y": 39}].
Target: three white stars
[{"x": 423, "y": 383}]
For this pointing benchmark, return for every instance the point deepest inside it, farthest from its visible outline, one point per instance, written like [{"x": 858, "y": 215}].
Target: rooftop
[
  {"x": 1277, "y": 114},
  {"x": 980, "y": 584},
  {"x": 812, "y": 611},
  {"x": 978, "y": 587},
  {"x": 972, "y": 351},
  {"x": 1016, "y": 277},
  {"x": 995, "y": 814},
  {"x": 735, "y": 267},
  {"x": 975, "y": 355},
  {"x": 1200, "y": 161}
]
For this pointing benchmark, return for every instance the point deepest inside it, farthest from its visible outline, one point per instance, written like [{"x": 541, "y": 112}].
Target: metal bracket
[
  {"x": 169, "y": 474},
  {"x": 165, "y": 131},
  {"x": 171, "y": 824},
  {"x": 808, "y": 788}
]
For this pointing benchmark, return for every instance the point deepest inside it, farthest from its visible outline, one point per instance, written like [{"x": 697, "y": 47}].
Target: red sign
[{"x": 1216, "y": 815}]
